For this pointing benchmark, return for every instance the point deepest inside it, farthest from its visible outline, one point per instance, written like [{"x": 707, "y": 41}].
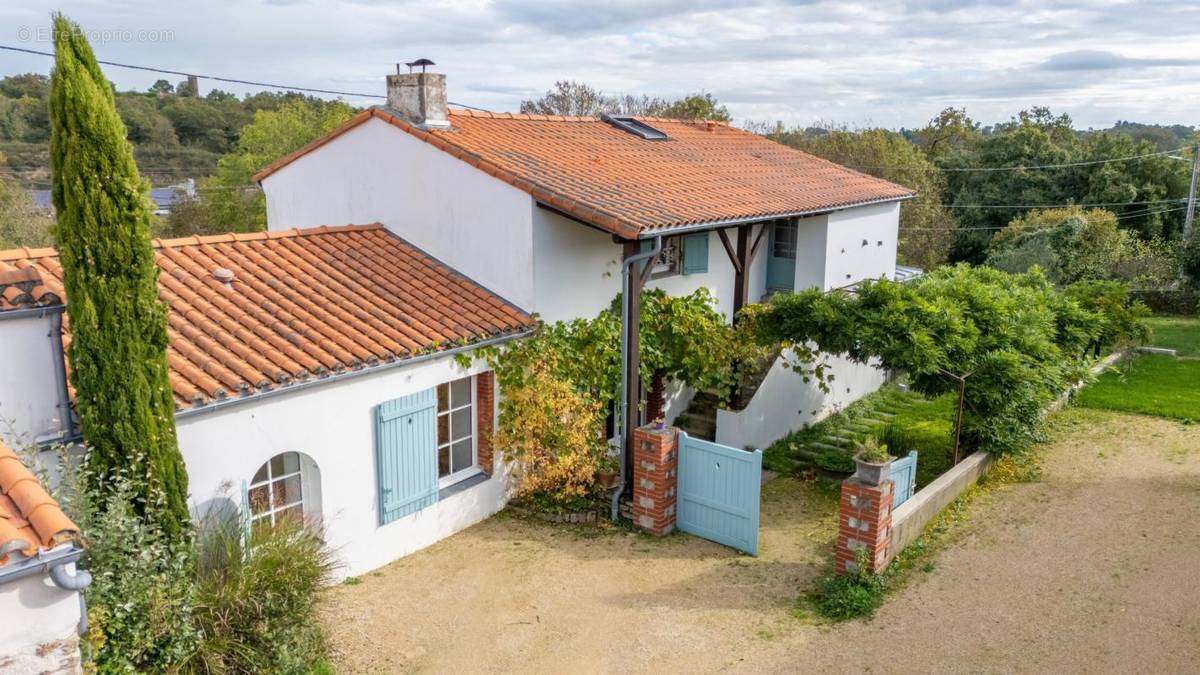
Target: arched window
[{"x": 287, "y": 486}]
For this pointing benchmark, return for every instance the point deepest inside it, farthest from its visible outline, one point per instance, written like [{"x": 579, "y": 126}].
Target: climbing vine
[{"x": 1005, "y": 344}]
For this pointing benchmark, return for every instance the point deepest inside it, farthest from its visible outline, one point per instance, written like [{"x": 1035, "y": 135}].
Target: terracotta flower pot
[{"x": 607, "y": 479}]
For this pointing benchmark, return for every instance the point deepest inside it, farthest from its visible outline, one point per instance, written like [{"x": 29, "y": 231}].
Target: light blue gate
[
  {"x": 719, "y": 489},
  {"x": 904, "y": 475}
]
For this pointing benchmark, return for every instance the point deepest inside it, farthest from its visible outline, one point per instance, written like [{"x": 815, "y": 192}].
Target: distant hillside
[{"x": 175, "y": 135}]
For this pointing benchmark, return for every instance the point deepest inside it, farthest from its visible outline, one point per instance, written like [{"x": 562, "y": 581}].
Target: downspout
[
  {"x": 65, "y": 418},
  {"x": 76, "y": 582},
  {"x": 623, "y": 414}
]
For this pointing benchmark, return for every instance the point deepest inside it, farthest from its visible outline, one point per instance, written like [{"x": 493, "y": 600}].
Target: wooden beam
[
  {"x": 762, "y": 231},
  {"x": 647, "y": 270},
  {"x": 741, "y": 276},
  {"x": 737, "y": 264},
  {"x": 633, "y": 381}
]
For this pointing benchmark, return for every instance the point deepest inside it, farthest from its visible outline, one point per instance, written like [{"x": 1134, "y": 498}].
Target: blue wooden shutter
[
  {"x": 695, "y": 253},
  {"x": 406, "y": 454}
]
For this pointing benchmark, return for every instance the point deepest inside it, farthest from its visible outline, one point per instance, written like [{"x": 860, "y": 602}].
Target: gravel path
[{"x": 1096, "y": 568}]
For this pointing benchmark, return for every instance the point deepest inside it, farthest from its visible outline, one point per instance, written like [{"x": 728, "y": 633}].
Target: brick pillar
[
  {"x": 655, "y": 471},
  {"x": 485, "y": 416},
  {"x": 864, "y": 522}
]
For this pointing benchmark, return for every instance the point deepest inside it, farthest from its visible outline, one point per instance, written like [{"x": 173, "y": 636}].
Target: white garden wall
[
  {"x": 475, "y": 223},
  {"x": 39, "y": 633},
  {"x": 333, "y": 424}
]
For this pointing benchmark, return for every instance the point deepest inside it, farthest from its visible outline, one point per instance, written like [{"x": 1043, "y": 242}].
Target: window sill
[{"x": 462, "y": 485}]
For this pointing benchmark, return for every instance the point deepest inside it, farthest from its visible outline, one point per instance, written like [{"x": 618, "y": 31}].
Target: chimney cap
[
  {"x": 223, "y": 275},
  {"x": 422, "y": 63}
]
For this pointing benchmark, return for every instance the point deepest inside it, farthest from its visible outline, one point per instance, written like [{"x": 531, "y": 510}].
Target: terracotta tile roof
[
  {"x": 303, "y": 304},
  {"x": 30, "y": 520},
  {"x": 602, "y": 175}
]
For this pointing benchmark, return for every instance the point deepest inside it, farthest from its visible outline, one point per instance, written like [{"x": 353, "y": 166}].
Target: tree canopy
[{"x": 572, "y": 98}]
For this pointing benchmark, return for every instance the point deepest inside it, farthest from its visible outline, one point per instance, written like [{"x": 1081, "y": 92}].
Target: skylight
[{"x": 635, "y": 127}]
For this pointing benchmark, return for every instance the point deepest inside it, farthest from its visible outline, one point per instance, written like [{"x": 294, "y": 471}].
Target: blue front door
[{"x": 781, "y": 256}]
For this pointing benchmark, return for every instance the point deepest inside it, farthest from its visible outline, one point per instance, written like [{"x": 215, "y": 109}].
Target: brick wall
[
  {"x": 485, "y": 416},
  {"x": 655, "y": 472},
  {"x": 864, "y": 523}
]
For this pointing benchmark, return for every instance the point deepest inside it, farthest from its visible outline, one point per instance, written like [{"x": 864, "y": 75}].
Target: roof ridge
[
  {"x": 539, "y": 117},
  {"x": 26, "y": 253}
]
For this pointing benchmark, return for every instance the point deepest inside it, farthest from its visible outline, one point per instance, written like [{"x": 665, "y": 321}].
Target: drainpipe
[
  {"x": 623, "y": 414},
  {"x": 65, "y": 420},
  {"x": 76, "y": 582}
]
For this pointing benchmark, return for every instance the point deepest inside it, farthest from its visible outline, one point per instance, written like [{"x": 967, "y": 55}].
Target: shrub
[
  {"x": 834, "y": 460},
  {"x": 207, "y": 602},
  {"x": 255, "y": 597},
  {"x": 871, "y": 450},
  {"x": 850, "y": 596},
  {"x": 141, "y": 597},
  {"x": 551, "y": 432}
]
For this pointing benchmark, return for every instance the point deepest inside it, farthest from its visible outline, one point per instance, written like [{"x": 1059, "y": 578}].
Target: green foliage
[
  {"x": 1074, "y": 244},
  {"x": 850, "y": 596},
  {"x": 235, "y": 204},
  {"x": 834, "y": 460},
  {"x": 255, "y": 598},
  {"x": 1189, "y": 259},
  {"x": 1037, "y": 137},
  {"x": 21, "y": 222},
  {"x": 141, "y": 597},
  {"x": 1012, "y": 341},
  {"x": 213, "y": 603},
  {"x": 926, "y": 228},
  {"x": 873, "y": 451},
  {"x": 118, "y": 326},
  {"x": 1124, "y": 318}
]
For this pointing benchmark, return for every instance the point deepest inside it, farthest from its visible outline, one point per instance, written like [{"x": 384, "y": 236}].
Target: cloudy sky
[{"x": 861, "y": 63}]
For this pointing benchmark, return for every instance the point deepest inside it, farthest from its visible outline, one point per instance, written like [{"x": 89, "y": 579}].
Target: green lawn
[
  {"x": 1152, "y": 385},
  {"x": 927, "y": 427},
  {"x": 1179, "y": 333}
]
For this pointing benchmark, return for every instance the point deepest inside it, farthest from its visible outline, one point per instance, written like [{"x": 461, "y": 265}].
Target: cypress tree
[{"x": 118, "y": 326}]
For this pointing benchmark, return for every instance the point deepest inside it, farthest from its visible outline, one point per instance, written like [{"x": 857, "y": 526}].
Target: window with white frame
[
  {"x": 277, "y": 490},
  {"x": 455, "y": 430}
]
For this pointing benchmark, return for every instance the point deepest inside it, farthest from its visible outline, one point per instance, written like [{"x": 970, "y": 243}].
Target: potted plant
[
  {"x": 607, "y": 471},
  {"x": 872, "y": 461},
  {"x": 835, "y": 465}
]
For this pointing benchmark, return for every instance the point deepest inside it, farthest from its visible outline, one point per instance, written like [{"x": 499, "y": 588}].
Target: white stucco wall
[
  {"x": 39, "y": 630},
  {"x": 577, "y": 270},
  {"x": 477, "y": 224},
  {"x": 28, "y": 385},
  {"x": 829, "y": 254},
  {"x": 784, "y": 403},
  {"x": 334, "y": 425},
  {"x": 848, "y": 259}
]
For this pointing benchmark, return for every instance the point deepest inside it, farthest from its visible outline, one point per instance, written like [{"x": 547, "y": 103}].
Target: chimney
[{"x": 419, "y": 97}]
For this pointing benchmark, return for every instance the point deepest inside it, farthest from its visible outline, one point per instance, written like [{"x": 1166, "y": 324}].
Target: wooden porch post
[
  {"x": 633, "y": 382},
  {"x": 741, "y": 276}
]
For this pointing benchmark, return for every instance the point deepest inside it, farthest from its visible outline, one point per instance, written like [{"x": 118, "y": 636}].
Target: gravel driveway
[{"x": 1096, "y": 567}]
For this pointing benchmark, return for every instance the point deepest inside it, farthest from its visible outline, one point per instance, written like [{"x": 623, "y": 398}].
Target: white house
[
  {"x": 315, "y": 372},
  {"x": 40, "y": 590},
  {"x": 543, "y": 210}
]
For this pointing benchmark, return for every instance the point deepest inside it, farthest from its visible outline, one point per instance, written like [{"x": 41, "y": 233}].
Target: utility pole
[{"x": 1191, "y": 205}]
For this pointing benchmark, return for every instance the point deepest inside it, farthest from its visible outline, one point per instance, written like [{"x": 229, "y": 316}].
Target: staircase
[
  {"x": 844, "y": 431},
  {"x": 700, "y": 418}
]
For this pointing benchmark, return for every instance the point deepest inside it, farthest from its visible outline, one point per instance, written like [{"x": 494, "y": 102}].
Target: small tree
[{"x": 118, "y": 326}]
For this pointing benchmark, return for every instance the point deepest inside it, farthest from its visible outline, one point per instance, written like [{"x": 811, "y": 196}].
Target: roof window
[{"x": 635, "y": 127}]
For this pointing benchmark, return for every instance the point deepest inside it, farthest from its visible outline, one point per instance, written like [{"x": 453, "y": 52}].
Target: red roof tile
[
  {"x": 30, "y": 520},
  {"x": 602, "y": 175},
  {"x": 303, "y": 304}
]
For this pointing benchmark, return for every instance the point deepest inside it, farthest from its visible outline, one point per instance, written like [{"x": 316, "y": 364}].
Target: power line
[
  {"x": 1122, "y": 216},
  {"x": 1059, "y": 206},
  {"x": 231, "y": 80}
]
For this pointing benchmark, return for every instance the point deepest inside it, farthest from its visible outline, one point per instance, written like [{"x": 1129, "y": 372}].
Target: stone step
[
  {"x": 839, "y": 440},
  {"x": 818, "y": 445}
]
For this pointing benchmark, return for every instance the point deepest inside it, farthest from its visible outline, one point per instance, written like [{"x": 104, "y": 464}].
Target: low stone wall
[{"x": 911, "y": 517}]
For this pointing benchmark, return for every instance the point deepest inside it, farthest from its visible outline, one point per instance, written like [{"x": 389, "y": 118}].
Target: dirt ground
[{"x": 1096, "y": 567}]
